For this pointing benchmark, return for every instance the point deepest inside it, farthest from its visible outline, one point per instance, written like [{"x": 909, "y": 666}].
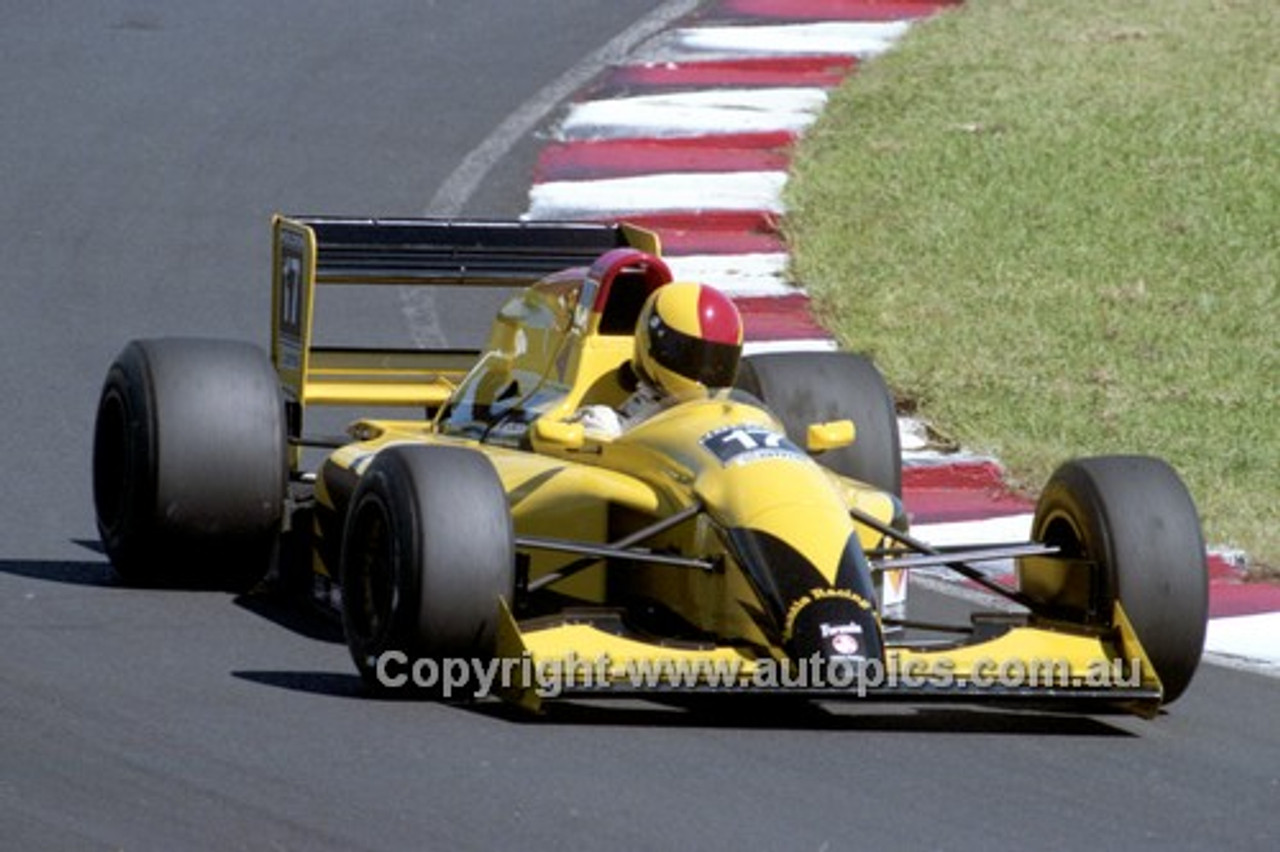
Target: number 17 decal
[{"x": 748, "y": 443}]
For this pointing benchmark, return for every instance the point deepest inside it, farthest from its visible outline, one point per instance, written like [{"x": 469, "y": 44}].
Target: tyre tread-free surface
[
  {"x": 1134, "y": 516},
  {"x": 427, "y": 552},
  {"x": 189, "y": 462}
]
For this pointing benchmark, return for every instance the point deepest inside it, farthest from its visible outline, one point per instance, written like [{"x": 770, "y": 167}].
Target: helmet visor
[{"x": 713, "y": 364}]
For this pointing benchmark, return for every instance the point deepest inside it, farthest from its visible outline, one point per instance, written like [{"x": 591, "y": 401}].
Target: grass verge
[{"x": 1056, "y": 226}]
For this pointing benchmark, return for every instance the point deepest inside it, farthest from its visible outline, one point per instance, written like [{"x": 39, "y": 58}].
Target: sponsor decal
[
  {"x": 843, "y": 637},
  {"x": 292, "y": 277},
  {"x": 735, "y": 445},
  {"x": 805, "y": 600},
  {"x": 291, "y": 301},
  {"x": 844, "y": 645}
]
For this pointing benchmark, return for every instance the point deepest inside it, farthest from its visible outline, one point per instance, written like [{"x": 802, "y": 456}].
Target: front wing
[{"x": 590, "y": 655}]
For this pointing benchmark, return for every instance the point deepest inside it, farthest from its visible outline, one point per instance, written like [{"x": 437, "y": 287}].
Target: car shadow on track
[
  {"x": 98, "y": 572},
  {"x": 71, "y": 572},
  {"x": 293, "y": 614},
  {"x": 750, "y": 713},
  {"x": 722, "y": 712},
  {"x": 332, "y": 684}
]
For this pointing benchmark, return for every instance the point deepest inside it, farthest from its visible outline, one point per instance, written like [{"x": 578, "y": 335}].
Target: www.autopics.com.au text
[{"x": 456, "y": 676}]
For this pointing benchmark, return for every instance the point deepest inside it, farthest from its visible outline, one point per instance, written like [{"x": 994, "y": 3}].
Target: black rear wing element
[
  {"x": 458, "y": 252},
  {"x": 312, "y": 251}
]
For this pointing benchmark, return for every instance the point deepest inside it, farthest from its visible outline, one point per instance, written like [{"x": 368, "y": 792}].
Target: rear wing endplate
[{"x": 309, "y": 252}]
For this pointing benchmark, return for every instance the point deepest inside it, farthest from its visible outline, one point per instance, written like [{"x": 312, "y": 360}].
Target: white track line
[
  {"x": 737, "y": 275},
  {"x": 986, "y": 531},
  {"x": 1246, "y": 638},
  {"x": 684, "y": 114},
  {"x": 461, "y": 184},
  {"x": 710, "y": 191},
  {"x": 756, "y": 347},
  {"x": 826, "y": 38},
  {"x": 943, "y": 458}
]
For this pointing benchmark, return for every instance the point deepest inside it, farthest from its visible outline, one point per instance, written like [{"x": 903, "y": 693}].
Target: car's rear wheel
[
  {"x": 1133, "y": 517},
  {"x": 427, "y": 552},
  {"x": 190, "y": 462},
  {"x": 812, "y": 387}
]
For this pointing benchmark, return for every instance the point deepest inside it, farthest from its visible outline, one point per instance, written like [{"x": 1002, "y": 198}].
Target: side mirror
[
  {"x": 831, "y": 435},
  {"x": 557, "y": 433}
]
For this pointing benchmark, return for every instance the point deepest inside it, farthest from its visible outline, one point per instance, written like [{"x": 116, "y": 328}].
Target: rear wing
[{"x": 310, "y": 252}]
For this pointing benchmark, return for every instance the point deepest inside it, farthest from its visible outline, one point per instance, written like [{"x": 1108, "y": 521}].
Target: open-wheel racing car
[{"x": 747, "y": 532}]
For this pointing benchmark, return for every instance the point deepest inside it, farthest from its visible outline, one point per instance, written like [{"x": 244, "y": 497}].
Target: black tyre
[
  {"x": 812, "y": 387},
  {"x": 427, "y": 551},
  {"x": 1133, "y": 516},
  {"x": 190, "y": 462}
]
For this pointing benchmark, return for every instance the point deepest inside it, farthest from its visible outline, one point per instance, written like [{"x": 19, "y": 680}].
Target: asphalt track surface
[{"x": 143, "y": 148}]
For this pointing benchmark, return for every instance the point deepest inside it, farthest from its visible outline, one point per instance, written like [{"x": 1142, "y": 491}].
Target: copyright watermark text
[{"x": 452, "y": 677}]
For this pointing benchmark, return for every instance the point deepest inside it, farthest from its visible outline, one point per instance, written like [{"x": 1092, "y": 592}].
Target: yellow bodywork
[
  {"x": 554, "y": 348},
  {"x": 312, "y": 375}
]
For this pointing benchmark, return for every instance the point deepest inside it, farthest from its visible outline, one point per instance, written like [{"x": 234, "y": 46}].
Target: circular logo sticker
[{"x": 844, "y": 644}]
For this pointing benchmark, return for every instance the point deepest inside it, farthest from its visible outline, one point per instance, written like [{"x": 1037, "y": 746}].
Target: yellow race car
[{"x": 608, "y": 500}]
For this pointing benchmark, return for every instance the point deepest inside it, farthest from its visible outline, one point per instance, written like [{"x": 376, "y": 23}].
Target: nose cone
[{"x": 831, "y": 613}]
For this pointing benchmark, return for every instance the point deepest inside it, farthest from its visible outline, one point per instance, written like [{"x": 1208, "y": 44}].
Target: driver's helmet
[{"x": 688, "y": 339}]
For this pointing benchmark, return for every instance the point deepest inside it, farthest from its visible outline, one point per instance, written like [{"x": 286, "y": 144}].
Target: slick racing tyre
[
  {"x": 427, "y": 551},
  {"x": 190, "y": 463},
  {"x": 1133, "y": 517},
  {"x": 813, "y": 387}
]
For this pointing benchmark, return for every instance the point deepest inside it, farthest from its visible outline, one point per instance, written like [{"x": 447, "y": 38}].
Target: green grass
[{"x": 1055, "y": 226}]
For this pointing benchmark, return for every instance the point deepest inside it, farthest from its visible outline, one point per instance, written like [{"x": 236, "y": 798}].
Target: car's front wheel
[
  {"x": 427, "y": 552},
  {"x": 1133, "y": 519}
]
